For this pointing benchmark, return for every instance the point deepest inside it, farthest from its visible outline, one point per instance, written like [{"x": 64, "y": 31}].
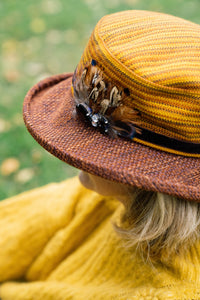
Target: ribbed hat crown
[{"x": 157, "y": 57}]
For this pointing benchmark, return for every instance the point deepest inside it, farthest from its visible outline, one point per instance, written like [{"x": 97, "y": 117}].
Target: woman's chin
[{"x": 86, "y": 180}]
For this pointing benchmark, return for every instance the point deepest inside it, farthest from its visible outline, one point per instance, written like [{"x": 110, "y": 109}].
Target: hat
[{"x": 130, "y": 112}]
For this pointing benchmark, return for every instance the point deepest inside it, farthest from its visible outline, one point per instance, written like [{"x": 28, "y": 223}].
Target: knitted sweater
[{"x": 58, "y": 242}]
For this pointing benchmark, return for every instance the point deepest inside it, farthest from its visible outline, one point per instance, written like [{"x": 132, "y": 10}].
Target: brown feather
[{"x": 126, "y": 114}]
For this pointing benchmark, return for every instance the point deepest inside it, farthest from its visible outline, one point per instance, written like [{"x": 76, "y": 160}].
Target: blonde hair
[{"x": 159, "y": 225}]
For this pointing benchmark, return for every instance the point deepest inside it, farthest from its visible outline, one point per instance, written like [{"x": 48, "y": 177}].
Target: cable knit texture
[{"x": 57, "y": 242}]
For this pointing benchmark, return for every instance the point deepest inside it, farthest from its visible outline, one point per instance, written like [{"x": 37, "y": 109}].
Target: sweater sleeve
[{"x": 28, "y": 221}]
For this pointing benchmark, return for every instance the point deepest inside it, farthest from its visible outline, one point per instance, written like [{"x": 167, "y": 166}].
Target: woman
[{"x": 129, "y": 118}]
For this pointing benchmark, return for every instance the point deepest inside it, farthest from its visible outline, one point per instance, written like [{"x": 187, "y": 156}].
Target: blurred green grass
[{"x": 38, "y": 39}]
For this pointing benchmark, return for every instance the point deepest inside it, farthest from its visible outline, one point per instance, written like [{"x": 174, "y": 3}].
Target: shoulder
[{"x": 58, "y": 199}]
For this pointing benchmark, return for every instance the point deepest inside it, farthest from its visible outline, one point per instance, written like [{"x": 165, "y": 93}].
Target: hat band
[
  {"x": 140, "y": 135},
  {"x": 168, "y": 144}
]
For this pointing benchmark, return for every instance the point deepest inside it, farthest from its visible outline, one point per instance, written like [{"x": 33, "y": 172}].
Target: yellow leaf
[
  {"x": 24, "y": 175},
  {"x": 38, "y": 25},
  {"x": 4, "y": 125},
  {"x": 9, "y": 166},
  {"x": 11, "y": 75}
]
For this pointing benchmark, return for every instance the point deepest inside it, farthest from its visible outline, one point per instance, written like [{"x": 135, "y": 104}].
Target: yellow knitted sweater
[{"x": 57, "y": 242}]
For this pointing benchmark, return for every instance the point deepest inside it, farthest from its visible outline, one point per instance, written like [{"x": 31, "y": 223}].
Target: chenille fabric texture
[
  {"x": 57, "y": 242},
  {"x": 156, "y": 58}
]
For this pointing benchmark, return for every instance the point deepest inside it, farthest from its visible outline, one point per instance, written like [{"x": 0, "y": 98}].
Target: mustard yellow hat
[{"x": 131, "y": 110}]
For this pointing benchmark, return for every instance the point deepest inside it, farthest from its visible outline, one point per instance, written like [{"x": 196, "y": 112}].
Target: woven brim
[{"x": 49, "y": 116}]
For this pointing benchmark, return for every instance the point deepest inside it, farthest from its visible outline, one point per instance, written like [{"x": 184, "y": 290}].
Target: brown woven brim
[{"x": 49, "y": 116}]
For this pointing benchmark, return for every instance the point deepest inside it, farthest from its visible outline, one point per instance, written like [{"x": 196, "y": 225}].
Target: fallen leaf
[
  {"x": 11, "y": 75},
  {"x": 9, "y": 166},
  {"x": 32, "y": 45},
  {"x": 24, "y": 175},
  {"x": 112, "y": 3},
  {"x": 9, "y": 46},
  {"x": 33, "y": 68},
  {"x": 36, "y": 156},
  {"x": 71, "y": 36},
  {"x": 54, "y": 37},
  {"x": 38, "y": 25},
  {"x": 4, "y": 125},
  {"x": 51, "y": 6}
]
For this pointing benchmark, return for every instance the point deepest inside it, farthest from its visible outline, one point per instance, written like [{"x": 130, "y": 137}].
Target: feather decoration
[{"x": 103, "y": 103}]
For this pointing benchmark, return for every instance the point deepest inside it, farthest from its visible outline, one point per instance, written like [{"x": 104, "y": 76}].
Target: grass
[{"x": 38, "y": 39}]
